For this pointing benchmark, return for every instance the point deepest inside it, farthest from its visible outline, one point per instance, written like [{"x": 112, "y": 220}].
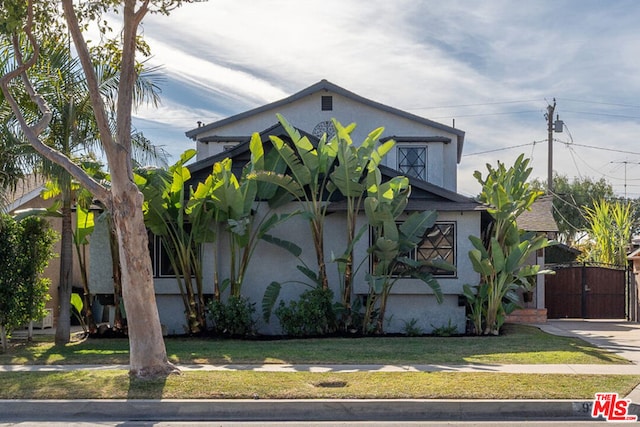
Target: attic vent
[{"x": 327, "y": 103}]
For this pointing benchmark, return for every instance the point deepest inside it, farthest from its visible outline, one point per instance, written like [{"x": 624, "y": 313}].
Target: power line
[
  {"x": 603, "y": 149},
  {"x": 486, "y": 114},
  {"x": 475, "y": 105},
  {"x": 597, "y": 171},
  {"x": 600, "y": 103},
  {"x": 499, "y": 149},
  {"x": 601, "y": 114}
]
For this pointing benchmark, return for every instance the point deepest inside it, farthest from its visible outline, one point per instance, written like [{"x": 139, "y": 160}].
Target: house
[
  {"x": 28, "y": 195},
  {"x": 540, "y": 220},
  {"x": 426, "y": 151}
]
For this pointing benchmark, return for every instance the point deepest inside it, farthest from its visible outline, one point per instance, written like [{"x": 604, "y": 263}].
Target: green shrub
[
  {"x": 447, "y": 330},
  {"x": 235, "y": 318},
  {"x": 311, "y": 315},
  {"x": 411, "y": 328}
]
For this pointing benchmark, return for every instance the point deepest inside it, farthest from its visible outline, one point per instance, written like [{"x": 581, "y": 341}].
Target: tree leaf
[{"x": 271, "y": 294}]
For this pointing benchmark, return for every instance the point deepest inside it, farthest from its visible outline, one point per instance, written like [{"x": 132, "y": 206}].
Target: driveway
[{"x": 618, "y": 336}]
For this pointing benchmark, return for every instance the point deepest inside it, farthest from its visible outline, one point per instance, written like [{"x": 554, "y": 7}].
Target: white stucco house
[{"x": 426, "y": 151}]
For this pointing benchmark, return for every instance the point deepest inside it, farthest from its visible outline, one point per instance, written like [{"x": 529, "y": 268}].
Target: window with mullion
[
  {"x": 439, "y": 243},
  {"x": 412, "y": 161}
]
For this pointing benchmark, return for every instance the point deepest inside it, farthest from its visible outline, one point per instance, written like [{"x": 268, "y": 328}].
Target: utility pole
[
  {"x": 625, "y": 163},
  {"x": 549, "y": 116}
]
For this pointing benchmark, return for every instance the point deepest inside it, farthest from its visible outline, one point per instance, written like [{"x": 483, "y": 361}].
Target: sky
[{"x": 493, "y": 66}]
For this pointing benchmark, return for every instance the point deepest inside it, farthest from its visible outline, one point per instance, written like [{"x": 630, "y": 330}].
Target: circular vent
[{"x": 324, "y": 127}]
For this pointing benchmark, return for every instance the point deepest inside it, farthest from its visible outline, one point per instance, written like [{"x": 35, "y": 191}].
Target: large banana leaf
[
  {"x": 287, "y": 245},
  {"x": 287, "y": 182},
  {"x": 415, "y": 227},
  {"x": 300, "y": 171}
]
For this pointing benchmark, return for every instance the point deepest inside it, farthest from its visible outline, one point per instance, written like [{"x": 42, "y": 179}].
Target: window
[
  {"x": 412, "y": 161},
  {"x": 438, "y": 243},
  {"x": 326, "y": 103},
  {"x": 159, "y": 258}
]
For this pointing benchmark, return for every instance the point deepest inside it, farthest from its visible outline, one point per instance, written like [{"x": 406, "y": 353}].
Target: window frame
[
  {"x": 401, "y": 156},
  {"x": 452, "y": 225},
  {"x": 413, "y": 254},
  {"x": 156, "y": 249}
]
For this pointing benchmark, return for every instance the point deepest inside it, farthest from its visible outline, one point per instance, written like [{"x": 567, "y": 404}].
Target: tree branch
[
  {"x": 128, "y": 74},
  {"x": 97, "y": 102},
  {"x": 32, "y": 133}
]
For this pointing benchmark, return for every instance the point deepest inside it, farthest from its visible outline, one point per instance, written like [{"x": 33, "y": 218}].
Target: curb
[{"x": 296, "y": 410}]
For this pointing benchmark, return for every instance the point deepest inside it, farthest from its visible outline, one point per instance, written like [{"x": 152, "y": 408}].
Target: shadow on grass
[
  {"x": 147, "y": 388},
  {"x": 518, "y": 344},
  {"x": 43, "y": 351}
]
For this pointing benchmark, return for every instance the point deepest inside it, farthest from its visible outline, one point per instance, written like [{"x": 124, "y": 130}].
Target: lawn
[
  {"x": 116, "y": 384},
  {"x": 518, "y": 345}
]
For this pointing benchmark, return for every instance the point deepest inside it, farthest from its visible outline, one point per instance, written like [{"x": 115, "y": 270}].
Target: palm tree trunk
[{"x": 63, "y": 326}]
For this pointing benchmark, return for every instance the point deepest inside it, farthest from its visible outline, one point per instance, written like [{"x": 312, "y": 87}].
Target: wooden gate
[{"x": 586, "y": 291}]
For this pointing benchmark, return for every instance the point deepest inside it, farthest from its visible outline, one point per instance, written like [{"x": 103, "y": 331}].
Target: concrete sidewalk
[
  {"x": 617, "y": 336},
  {"x": 620, "y": 337},
  {"x": 476, "y": 367}
]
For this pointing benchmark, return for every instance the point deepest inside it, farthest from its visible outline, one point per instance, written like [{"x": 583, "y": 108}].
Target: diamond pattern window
[
  {"x": 438, "y": 243},
  {"x": 412, "y": 161}
]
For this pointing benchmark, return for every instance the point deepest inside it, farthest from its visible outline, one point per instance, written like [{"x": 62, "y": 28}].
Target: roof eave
[{"x": 328, "y": 86}]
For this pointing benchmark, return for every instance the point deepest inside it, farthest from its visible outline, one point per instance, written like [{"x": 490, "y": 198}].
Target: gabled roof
[
  {"x": 324, "y": 85},
  {"x": 241, "y": 148},
  {"x": 634, "y": 255},
  {"x": 540, "y": 217},
  {"x": 424, "y": 195},
  {"x": 26, "y": 190}
]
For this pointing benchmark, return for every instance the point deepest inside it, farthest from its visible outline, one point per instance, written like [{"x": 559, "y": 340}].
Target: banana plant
[
  {"x": 306, "y": 181},
  {"x": 349, "y": 179},
  {"x": 165, "y": 216},
  {"x": 231, "y": 202},
  {"x": 501, "y": 258},
  {"x": 84, "y": 222},
  {"x": 391, "y": 243}
]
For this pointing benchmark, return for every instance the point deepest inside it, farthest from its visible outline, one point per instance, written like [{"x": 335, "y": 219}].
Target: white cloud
[{"x": 223, "y": 57}]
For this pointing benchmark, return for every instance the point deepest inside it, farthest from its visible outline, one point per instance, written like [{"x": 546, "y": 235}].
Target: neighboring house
[
  {"x": 28, "y": 196},
  {"x": 539, "y": 219},
  {"x": 427, "y": 152}
]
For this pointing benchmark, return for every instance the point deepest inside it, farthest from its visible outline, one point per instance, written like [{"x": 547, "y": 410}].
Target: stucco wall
[
  {"x": 410, "y": 298},
  {"x": 101, "y": 271},
  {"x": 306, "y": 114}
]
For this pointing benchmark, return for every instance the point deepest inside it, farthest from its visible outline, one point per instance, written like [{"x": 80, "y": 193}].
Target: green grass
[
  {"x": 305, "y": 385},
  {"x": 518, "y": 345}
]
